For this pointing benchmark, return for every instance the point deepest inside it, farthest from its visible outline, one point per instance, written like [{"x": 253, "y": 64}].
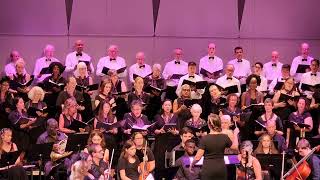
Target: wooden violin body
[{"x": 303, "y": 171}]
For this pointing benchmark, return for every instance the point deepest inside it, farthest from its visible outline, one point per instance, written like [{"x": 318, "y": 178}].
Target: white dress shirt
[
  {"x": 241, "y": 69},
  {"x": 196, "y": 78},
  {"x": 295, "y": 63},
  {"x": 116, "y": 64},
  {"x": 143, "y": 71},
  {"x": 211, "y": 65},
  {"x": 263, "y": 84},
  {"x": 224, "y": 83},
  {"x": 171, "y": 68},
  {"x": 10, "y": 69},
  {"x": 310, "y": 79},
  {"x": 40, "y": 64},
  {"x": 72, "y": 60},
  {"x": 272, "y": 70}
]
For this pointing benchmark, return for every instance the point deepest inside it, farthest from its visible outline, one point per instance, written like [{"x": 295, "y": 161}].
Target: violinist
[
  {"x": 304, "y": 149},
  {"x": 99, "y": 166},
  {"x": 145, "y": 155},
  {"x": 128, "y": 164}
]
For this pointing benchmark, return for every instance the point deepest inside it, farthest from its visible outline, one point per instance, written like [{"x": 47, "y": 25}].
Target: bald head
[
  {"x": 48, "y": 50},
  {"x": 14, "y": 55},
  {"x": 274, "y": 56},
  {"x": 79, "y": 45},
  {"x": 177, "y": 53},
  {"x": 140, "y": 58},
  {"x": 229, "y": 69},
  {"x": 304, "y": 49}
]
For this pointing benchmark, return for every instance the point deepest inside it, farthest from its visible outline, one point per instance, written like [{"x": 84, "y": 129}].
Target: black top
[
  {"x": 131, "y": 169},
  {"x": 98, "y": 169},
  {"x": 149, "y": 153},
  {"x": 83, "y": 81},
  {"x": 6, "y": 102},
  {"x": 47, "y": 86},
  {"x": 213, "y": 105},
  {"x": 63, "y": 96},
  {"x": 144, "y": 97},
  {"x": 132, "y": 120},
  {"x": 160, "y": 122}
]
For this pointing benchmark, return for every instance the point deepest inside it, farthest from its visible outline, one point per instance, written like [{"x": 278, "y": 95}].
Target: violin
[
  {"x": 145, "y": 166},
  {"x": 301, "y": 170}
]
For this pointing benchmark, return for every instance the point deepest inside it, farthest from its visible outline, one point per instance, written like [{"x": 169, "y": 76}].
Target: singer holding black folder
[
  {"x": 69, "y": 114},
  {"x": 166, "y": 118},
  {"x": 212, "y": 148}
]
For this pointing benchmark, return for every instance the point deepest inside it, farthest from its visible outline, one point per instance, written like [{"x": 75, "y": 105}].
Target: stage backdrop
[{"x": 158, "y": 26}]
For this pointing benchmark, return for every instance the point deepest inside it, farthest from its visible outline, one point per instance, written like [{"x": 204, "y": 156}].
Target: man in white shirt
[
  {"x": 304, "y": 58},
  {"x": 211, "y": 63},
  {"x": 44, "y": 62},
  {"x": 285, "y": 74},
  {"x": 140, "y": 68},
  {"x": 176, "y": 66},
  {"x": 112, "y": 61},
  {"x": 272, "y": 69},
  {"x": 242, "y": 67},
  {"x": 73, "y": 58},
  {"x": 311, "y": 78},
  {"x": 10, "y": 68},
  {"x": 228, "y": 79},
  {"x": 191, "y": 76},
  {"x": 257, "y": 70}
]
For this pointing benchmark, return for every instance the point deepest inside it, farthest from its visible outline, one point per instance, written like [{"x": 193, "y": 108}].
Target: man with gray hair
[
  {"x": 44, "y": 62},
  {"x": 112, "y": 61},
  {"x": 302, "y": 59},
  {"x": 140, "y": 68}
]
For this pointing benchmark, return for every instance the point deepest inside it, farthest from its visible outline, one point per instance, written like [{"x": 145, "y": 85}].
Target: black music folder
[
  {"x": 86, "y": 62},
  {"x": 154, "y": 90},
  {"x": 205, "y": 72},
  {"x": 22, "y": 85},
  {"x": 253, "y": 107},
  {"x": 45, "y": 70},
  {"x": 92, "y": 87},
  {"x": 143, "y": 77},
  {"x": 278, "y": 86},
  {"x": 287, "y": 97},
  {"x": 106, "y": 70},
  {"x": 302, "y": 68},
  {"x": 198, "y": 84},
  {"x": 107, "y": 126},
  {"x": 307, "y": 87},
  {"x": 32, "y": 111},
  {"x": 75, "y": 125},
  {"x": 9, "y": 158},
  {"x": 176, "y": 76},
  {"x": 190, "y": 102},
  {"x": 231, "y": 89},
  {"x": 58, "y": 85},
  {"x": 168, "y": 126},
  {"x": 77, "y": 142},
  {"x": 39, "y": 152}
]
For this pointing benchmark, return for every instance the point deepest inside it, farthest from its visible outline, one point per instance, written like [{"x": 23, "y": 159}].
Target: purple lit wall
[{"x": 266, "y": 25}]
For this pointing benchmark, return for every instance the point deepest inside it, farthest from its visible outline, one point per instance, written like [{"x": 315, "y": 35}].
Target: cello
[
  {"x": 145, "y": 167},
  {"x": 301, "y": 170}
]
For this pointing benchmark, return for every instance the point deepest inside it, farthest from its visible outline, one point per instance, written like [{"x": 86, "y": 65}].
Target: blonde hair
[
  {"x": 79, "y": 170},
  {"x": 81, "y": 65},
  {"x": 68, "y": 103},
  {"x": 33, "y": 90},
  {"x": 20, "y": 61}
]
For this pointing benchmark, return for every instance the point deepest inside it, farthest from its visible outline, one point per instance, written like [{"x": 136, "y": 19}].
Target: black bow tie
[
  {"x": 239, "y": 60},
  {"x": 229, "y": 78},
  {"x": 304, "y": 59},
  {"x": 176, "y": 62},
  {"x": 315, "y": 74},
  {"x": 211, "y": 57},
  {"x": 112, "y": 59},
  {"x": 79, "y": 54},
  {"x": 283, "y": 79},
  {"x": 48, "y": 59},
  {"x": 190, "y": 76},
  {"x": 274, "y": 64},
  {"x": 142, "y": 66}
]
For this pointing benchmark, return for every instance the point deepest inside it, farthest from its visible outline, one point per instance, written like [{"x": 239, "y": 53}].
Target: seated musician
[
  {"x": 184, "y": 161},
  {"x": 99, "y": 167},
  {"x": 69, "y": 114},
  {"x": 232, "y": 134},
  {"x": 282, "y": 106},
  {"x": 14, "y": 171},
  {"x": 313, "y": 161},
  {"x": 195, "y": 122},
  {"x": 215, "y": 103},
  {"x": 96, "y": 137},
  {"x": 266, "y": 145},
  {"x": 128, "y": 164},
  {"x": 135, "y": 117},
  {"x": 252, "y": 95},
  {"x": 166, "y": 117},
  {"x": 300, "y": 116},
  {"x": 249, "y": 168},
  {"x": 272, "y": 132},
  {"x": 36, "y": 96},
  {"x": 268, "y": 116},
  {"x": 144, "y": 155},
  {"x": 80, "y": 169}
]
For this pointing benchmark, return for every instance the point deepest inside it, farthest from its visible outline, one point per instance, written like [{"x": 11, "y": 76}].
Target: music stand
[
  {"x": 272, "y": 163},
  {"x": 77, "y": 142}
]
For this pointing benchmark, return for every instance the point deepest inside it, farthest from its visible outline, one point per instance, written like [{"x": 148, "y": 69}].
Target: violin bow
[{"x": 109, "y": 169}]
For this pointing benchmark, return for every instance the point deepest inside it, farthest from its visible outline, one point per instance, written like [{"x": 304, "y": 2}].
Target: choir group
[{"x": 188, "y": 120}]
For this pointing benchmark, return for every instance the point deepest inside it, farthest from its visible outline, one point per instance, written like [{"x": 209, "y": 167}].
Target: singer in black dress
[{"x": 212, "y": 148}]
